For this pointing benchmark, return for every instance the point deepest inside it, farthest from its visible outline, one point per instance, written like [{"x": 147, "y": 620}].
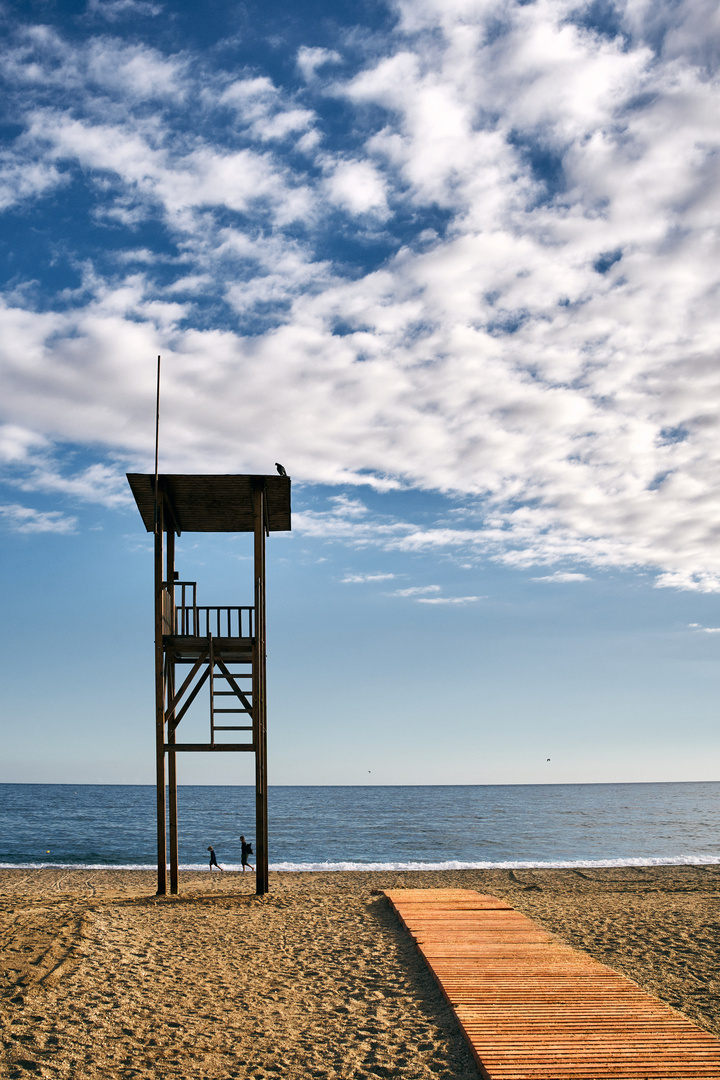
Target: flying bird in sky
[{"x": 280, "y": 469}]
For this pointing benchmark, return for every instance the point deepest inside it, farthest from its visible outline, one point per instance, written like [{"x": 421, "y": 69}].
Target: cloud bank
[{"x": 476, "y": 254}]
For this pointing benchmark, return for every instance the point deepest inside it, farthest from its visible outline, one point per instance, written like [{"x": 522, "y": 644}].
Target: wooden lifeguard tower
[{"x": 222, "y": 646}]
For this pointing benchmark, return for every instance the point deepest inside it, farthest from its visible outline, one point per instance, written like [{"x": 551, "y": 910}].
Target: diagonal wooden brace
[
  {"x": 172, "y": 706},
  {"x": 195, "y": 690}
]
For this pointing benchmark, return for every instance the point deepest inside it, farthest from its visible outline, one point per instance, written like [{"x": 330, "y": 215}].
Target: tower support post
[
  {"x": 259, "y": 692},
  {"x": 170, "y": 680},
  {"x": 160, "y": 706}
]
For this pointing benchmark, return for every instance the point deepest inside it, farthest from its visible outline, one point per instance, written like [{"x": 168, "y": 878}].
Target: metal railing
[{"x": 184, "y": 617}]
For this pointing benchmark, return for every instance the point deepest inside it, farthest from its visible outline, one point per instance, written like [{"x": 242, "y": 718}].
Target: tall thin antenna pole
[
  {"x": 157, "y": 444},
  {"x": 160, "y": 668}
]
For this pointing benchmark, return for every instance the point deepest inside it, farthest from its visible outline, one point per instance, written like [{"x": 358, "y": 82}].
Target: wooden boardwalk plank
[{"x": 532, "y": 1008}]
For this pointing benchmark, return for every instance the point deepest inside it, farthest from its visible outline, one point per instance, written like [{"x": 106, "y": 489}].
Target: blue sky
[{"x": 454, "y": 263}]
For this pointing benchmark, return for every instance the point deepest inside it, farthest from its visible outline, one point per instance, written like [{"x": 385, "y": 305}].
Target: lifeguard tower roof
[{"x": 213, "y": 503}]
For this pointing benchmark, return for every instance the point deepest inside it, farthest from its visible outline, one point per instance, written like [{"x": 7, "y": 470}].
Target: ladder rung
[
  {"x": 223, "y": 727},
  {"x": 231, "y": 710},
  {"x": 224, "y": 693}
]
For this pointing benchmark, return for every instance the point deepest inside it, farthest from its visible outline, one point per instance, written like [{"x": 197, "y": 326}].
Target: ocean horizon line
[{"x": 535, "y": 784}]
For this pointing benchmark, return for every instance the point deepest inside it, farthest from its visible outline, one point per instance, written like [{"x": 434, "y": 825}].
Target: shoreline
[
  {"x": 101, "y": 978},
  {"x": 450, "y": 866}
]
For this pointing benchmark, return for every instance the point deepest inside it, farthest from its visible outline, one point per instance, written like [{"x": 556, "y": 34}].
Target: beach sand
[{"x": 99, "y": 978}]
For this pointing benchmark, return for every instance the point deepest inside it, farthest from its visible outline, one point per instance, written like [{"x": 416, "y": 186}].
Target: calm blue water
[{"x": 363, "y": 828}]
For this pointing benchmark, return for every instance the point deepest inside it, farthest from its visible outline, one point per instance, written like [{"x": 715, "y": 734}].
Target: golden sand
[{"x": 99, "y": 978}]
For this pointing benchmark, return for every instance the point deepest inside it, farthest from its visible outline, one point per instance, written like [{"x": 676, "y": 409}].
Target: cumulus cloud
[
  {"x": 498, "y": 282},
  {"x": 310, "y": 59},
  {"x": 689, "y": 581},
  {"x": 358, "y": 187}
]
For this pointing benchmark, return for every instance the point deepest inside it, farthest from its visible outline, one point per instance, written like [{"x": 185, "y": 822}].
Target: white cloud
[
  {"x": 31, "y": 464},
  {"x": 97, "y": 483},
  {"x": 358, "y": 187},
  {"x": 704, "y": 629},
  {"x": 22, "y": 179},
  {"x": 562, "y": 577},
  {"x": 113, "y": 10},
  {"x": 135, "y": 72},
  {"x": 417, "y": 590},
  {"x": 358, "y": 579},
  {"x": 259, "y": 104},
  {"x": 310, "y": 59},
  {"x": 283, "y": 124},
  {"x": 252, "y": 97},
  {"x": 24, "y": 519},
  {"x": 348, "y": 520},
  {"x": 449, "y": 599},
  {"x": 18, "y": 444},
  {"x": 203, "y": 177},
  {"x": 689, "y": 581},
  {"x": 540, "y": 342}
]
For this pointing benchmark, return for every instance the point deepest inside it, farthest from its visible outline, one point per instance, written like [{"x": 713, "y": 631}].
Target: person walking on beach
[
  {"x": 245, "y": 851},
  {"x": 213, "y": 860}
]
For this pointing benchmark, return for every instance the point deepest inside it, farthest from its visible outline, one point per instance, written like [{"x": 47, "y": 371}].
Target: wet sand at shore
[{"x": 101, "y": 978}]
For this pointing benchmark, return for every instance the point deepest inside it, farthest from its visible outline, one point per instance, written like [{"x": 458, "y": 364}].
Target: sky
[{"x": 454, "y": 263}]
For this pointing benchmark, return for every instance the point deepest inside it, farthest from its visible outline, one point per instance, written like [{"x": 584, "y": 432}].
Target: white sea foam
[
  {"x": 378, "y": 867},
  {"x": 680, "y": 860}
]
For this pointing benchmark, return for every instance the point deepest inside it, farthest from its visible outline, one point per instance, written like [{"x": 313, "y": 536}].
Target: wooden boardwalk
[{"x": 533, "y": 1008}]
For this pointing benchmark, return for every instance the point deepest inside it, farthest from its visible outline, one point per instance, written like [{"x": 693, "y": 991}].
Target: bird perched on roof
[{"x": 280, "y": 469}]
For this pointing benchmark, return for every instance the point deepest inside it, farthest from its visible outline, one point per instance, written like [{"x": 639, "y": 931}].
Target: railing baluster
[{"x": 191, "y": 620}]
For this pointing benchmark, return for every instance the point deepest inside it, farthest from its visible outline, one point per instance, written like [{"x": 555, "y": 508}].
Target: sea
[{"x": 449, "y": 827}]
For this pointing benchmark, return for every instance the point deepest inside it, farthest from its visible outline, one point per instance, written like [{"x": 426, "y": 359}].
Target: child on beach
[
  {"x": 213, "y": 859},
  {"x": 245, "y": 850}
]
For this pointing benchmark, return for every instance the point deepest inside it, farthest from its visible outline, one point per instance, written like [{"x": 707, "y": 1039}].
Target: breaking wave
[{"x": 380, "y": 867}]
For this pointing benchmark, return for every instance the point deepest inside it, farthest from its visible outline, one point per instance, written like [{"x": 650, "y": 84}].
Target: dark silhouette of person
[
  {"x": 213, "y": 859},
  {"x": 245, "y": 851}
]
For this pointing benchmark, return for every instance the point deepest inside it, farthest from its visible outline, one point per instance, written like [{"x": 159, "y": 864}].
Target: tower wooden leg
[{"x": 173, "y": 808}]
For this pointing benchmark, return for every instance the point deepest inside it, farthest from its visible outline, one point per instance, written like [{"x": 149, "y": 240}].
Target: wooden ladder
[{"x": 232, "y": 680}]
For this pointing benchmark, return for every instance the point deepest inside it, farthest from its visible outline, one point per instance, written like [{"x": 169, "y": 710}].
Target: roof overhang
[{"x": 214, "y": 503}]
